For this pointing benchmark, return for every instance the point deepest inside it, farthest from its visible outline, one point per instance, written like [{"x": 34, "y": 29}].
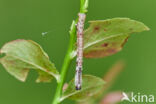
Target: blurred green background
[{"x": 28, "y": 19}]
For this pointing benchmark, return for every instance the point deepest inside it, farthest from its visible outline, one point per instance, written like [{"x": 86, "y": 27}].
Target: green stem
[
  {"x": 66, "y": 63},
  {"x": 69, "y": 54}
]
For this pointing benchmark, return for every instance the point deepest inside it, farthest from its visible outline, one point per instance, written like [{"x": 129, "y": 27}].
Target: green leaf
[
  {"x": 107, "y": 37},
  {"x": 109, "y": 77},
  {"x": 91, "y": 85},
  {"x": 23, "y": 55}
]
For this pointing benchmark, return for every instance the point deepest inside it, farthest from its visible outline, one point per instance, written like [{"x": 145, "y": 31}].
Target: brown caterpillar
[{"x": 79, "y": 60}]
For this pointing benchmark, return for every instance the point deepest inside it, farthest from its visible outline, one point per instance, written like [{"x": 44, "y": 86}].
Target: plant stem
[
  {"x": 69, "y": 55},
  {"x": 66, "y": 63}
]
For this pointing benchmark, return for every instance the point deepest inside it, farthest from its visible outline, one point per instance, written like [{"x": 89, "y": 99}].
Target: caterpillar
[{"x": 79, "y": 60}]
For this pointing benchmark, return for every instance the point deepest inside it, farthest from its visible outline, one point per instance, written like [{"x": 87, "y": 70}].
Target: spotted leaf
[
  {"x": 91, "y": 85},
  {"x": 107, "y": 37}
]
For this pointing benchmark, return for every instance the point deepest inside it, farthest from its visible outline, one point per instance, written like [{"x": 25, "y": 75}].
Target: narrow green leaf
[
  {"x": 107, "y": 37},
  {"x": 23, "y": 55},
  {"x": 91, "y": 86}
]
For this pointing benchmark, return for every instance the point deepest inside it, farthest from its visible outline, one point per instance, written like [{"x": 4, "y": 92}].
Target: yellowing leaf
[
  {"x": 91, "y": 86},
  {"x": 23, "y": 55},
  {"x": 107, "y": 37}
]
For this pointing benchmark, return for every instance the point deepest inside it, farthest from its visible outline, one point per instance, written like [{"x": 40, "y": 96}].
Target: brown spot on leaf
[
  {"x": 96, "y": 29},
  {"x": 105, "y": 45}
]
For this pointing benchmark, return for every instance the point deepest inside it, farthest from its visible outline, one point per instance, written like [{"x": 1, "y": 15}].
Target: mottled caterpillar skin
[{"x": 79, "y": 60}]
